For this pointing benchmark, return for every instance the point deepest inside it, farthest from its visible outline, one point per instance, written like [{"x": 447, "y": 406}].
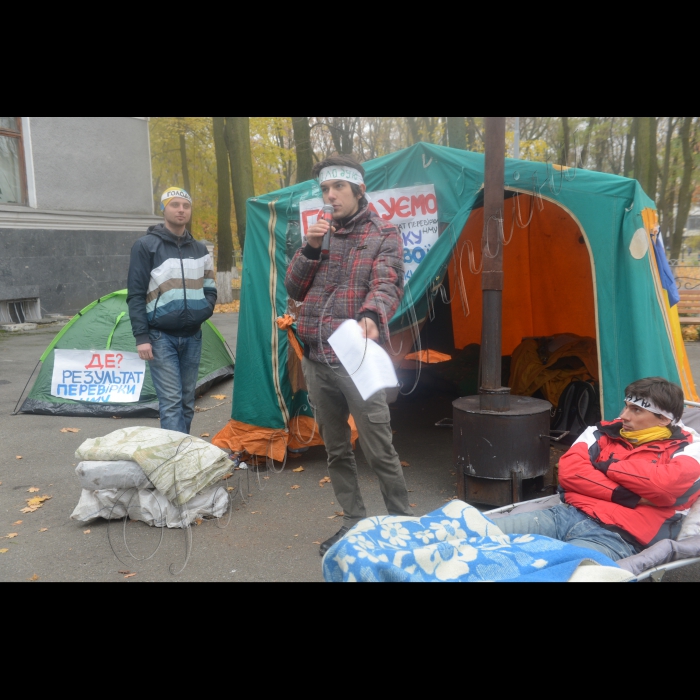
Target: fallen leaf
[
  {"x": 19, "y": 522},
  {"x": 413, "y": 505},
  {"x": 205, "y": 435},
  {"x": 34, "y": 578},
  {"x": 230, "y": 489},
  {"x": 70, "y": 430},
  {"x": 130, "y": 576},
  {"x": 266, "y": 478},
  {"x": 219, "y": 397},
  {"x": 32, "y": 490},
  {"x": 116, "y": 418},
  {"x": 405, "y": 465},
  {"x": 295, "y": 488},
  {"x": 198, "y": 522},
  {"x": 256, "y": 512},
  {"x": 340, "y": 514},
  {"x": 87, "y": 532},
  {"x": 18, "y": 457},
  {"x": 318, "y": 543},
  {"x": 299, "y": 471},
  {"x": 226, "y": 477},
  {"x": 46, "y": 529},
  {"x": 288, "y": 547},
  {"x": 4, "y": 551},
  {"x": 325, "y": 481},
  {"x": 11, "y": 536}
]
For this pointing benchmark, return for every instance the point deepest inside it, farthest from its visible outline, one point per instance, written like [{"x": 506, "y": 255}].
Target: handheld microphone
[{"x": 327, "y": 215}]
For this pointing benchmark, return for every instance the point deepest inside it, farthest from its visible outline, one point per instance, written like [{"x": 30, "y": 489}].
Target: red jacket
[
  {"x": 604, "y": 476},
  {"x": 364, "y": 277}
]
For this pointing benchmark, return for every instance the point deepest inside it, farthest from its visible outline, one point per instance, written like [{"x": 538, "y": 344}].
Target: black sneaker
[{"x": 333, "y": 540}]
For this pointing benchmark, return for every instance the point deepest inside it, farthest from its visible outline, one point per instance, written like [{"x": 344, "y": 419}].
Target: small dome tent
[
  {"x": 105, "y": 325},
  {"x": 578, "y": 259}
]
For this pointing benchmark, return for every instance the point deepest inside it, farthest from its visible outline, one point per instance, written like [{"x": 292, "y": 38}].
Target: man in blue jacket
[{"x": 172, "y": 292}]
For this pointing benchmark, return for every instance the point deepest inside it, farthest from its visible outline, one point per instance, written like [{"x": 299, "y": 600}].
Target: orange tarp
[
  {"x": 267, "y": 442},
  {"x": 548, "y": 277}
]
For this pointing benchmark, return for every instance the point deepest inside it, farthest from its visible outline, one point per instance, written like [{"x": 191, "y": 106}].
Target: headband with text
[
  {"x": 341, "y": 173},
  {"x": 648, "y": 405},
  {"x": 173, "y": 193}
]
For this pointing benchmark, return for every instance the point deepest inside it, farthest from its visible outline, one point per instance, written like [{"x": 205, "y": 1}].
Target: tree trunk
[
  {"x": 238, "y": 141},
  {"x": 685, "y": 195},
  {"x": 302, "y": 140},
  {"x": 185, "y": 166},
  {"x": 665, "y": 175},
  {"x": 566, "y": 146},
  {"x": 646, "y": 167},
  {"x": 587, "y": 144},
  {"x": 471, "y": 133},
  {"x": 457, "y": 132},
  {"x": 629, "y": 164},
  {"x": 413, "y": 131},
  {"x": 224, "y": 263}
]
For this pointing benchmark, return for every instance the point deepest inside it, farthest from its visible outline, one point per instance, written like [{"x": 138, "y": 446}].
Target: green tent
[
  {"x": 578, "y": 259},
  {"x": 105, "y": 325}
]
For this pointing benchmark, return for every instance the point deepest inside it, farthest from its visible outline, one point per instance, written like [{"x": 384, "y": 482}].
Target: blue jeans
[
  {"x": 568, "y": 525},
  {"x": 175, "y": 370}
]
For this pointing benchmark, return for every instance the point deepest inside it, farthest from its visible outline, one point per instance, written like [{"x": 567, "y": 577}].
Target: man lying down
[{"x": 627, "y": 484}]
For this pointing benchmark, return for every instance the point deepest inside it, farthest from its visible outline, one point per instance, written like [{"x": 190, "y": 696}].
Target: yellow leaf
[
  {"x": 405, "y": 465},
  {"x": 205, "y": 435},
  {"x": 230, "y": 489},
  {"x": 34, "y": 578},
  {"x": 130, "y": 576},
  {"x": 220, "y": 397},
  {"x": 19, "y": 522},
  {"x": 295, "y": 488},
  {"x": 4, "y": 551},
  {"x": 325, "y": 481},
  {"x": 11, "y": 536},
  {"x": 33, "y": 490},
  {"x": 70, "y": 430},
  {"x": 18, "y": 457},
  {"x": 87, "y": 532},
  {"x": 299, "y": 471},
  {"x": 226, "y": 477},
  {"x": 198, "y": 522},
  {"x": 45, "y": 529}
]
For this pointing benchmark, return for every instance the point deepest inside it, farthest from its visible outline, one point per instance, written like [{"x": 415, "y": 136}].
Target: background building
[{"x": 75, "y": 193}]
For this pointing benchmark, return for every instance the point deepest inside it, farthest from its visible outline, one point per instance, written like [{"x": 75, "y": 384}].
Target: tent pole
[
  {"x": 494, "y": 397},
  {"x": 516, "y": 144}
]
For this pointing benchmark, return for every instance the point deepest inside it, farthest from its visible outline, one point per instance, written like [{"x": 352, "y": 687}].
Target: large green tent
[
  {"x": 105, "y": 325},
  {"x": 580, "y": 261}
]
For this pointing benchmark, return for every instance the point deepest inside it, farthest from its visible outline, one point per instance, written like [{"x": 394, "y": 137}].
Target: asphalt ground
[{"x": 274, "y": 536}]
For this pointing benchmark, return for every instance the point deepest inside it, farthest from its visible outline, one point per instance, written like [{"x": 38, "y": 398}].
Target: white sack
[
  {"x": 179, "y": 466},
  {"x": 149, "y": 507},
  {"x": 102, "y": 476}
]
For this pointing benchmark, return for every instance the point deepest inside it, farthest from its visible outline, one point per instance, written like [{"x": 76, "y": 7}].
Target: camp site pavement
[{"x": 272, "y": 537}]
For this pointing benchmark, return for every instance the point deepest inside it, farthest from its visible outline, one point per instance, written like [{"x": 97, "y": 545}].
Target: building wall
[
  {"x": 92, "y": 164},
  {"x": 90, "y": 197},
  {"x": 65, "y": 269}
]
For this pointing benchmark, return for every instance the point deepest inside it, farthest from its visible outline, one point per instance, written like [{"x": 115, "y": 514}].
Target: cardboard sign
[
  {"x": 98, "y": 377},
  {"x": 413, "y": 210}
]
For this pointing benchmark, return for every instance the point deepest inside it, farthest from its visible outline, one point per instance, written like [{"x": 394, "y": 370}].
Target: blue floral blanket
[{"x": 455, "y": 544}]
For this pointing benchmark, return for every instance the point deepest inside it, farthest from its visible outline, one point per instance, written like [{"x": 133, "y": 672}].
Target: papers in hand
[{"x": 369, "y": 366}]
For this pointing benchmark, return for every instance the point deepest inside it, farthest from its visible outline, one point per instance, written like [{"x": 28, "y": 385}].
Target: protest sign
[
  {"x": 413, "y": 210},
  {"x": 98, "y": 376}
]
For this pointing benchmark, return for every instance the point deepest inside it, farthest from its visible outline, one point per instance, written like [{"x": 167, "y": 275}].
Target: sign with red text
[
  {"x": 413, "y": 210},
  {"x": 98, "y": 377}
]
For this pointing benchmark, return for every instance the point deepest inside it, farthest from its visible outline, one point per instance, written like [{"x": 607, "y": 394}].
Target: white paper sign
[
  {"x": 413, "y": 210},
  {"x": 98, "y": 377},
  {"x": 369, "y": 365}
]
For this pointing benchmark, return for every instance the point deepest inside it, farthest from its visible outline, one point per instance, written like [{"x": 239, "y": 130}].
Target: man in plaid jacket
[{"x": 362, "y": 278}]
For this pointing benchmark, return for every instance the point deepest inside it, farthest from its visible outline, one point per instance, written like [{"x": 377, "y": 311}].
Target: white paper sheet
[{"x": 369, "y": 366}]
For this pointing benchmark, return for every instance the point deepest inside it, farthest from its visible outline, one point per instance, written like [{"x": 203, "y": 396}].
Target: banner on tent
[
  {"x": 413, "y": 210},
  {"x": 98, "y": 377}
]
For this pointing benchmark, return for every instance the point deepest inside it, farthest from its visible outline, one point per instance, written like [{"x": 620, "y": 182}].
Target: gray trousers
[{"x": 334, "y": 396}]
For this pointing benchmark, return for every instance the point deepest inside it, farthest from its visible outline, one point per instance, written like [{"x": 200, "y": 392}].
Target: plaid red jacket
[{"x": 364, "y": 277}]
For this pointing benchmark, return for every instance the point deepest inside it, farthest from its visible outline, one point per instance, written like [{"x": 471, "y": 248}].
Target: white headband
[
  {"x": 341, "y": 173},
  {"x": 647, "y": 405}
]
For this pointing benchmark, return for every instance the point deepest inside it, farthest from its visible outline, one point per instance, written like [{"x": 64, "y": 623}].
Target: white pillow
[{"x": 691, "y": 524}]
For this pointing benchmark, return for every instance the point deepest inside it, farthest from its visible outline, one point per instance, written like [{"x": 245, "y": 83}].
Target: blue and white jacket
[{"x": 172, "y": 285}]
